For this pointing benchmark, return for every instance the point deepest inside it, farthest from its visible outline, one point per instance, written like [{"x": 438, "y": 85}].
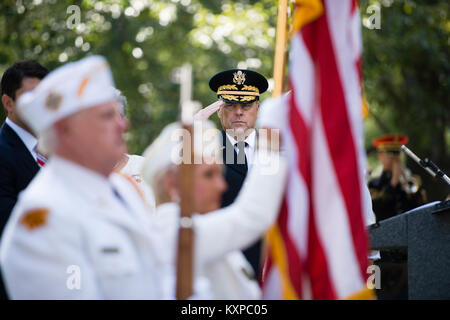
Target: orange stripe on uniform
[{"x": 135, "y": 185}]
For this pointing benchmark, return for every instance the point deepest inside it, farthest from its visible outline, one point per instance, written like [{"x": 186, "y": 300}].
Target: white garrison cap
[
  {"x": 68, "y": 89},
  {"x": 166, "y": 149}
]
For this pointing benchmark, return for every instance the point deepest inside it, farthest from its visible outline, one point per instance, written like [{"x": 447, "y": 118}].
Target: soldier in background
[{"x": 395, "y": 190}]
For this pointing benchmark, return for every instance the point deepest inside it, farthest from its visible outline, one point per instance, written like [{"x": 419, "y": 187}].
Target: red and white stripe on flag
[{"x": 318, "y": 247}]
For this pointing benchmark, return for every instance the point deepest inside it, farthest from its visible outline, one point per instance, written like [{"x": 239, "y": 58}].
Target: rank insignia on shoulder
[{"x": 35, "y": 218}]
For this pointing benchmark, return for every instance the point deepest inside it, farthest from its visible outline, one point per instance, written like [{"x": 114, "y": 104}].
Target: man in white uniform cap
[{"x": 80, "y": 231}]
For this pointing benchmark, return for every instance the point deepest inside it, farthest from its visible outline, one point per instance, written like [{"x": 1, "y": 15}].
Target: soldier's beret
[{"x": 238, "y": 85}]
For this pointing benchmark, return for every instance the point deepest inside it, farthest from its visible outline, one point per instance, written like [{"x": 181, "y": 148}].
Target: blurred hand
[
  {"x": 207, "y": 112},
  {"x": 273, "y": 112}
]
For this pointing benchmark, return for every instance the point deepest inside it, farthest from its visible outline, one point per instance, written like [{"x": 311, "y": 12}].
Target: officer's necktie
[{"x": 241, "y": 158}]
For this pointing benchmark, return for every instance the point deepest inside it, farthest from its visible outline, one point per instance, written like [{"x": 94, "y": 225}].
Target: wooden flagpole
[
  {"x": 280, "y": 49},
  {"x": 278, "y": 78},
  {"x": 185, "y": 254},
  {"x": 185, "y": 263}
]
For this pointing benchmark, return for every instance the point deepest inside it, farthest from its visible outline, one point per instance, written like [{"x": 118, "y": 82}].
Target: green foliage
[
  {"x": 406, "y": 62},
  {"x": 144, "y": 41},
  {"x": 407, "y": 78}
]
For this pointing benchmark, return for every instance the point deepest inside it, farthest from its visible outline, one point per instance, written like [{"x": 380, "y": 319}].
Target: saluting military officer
[
  {"x": 238, "y": 91},
  {"x": 219, "y": 234},
  {"x": 393, "y": 191}
]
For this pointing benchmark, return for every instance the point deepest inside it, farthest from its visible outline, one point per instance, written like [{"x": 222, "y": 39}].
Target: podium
[{"x": 424, "y": 234}]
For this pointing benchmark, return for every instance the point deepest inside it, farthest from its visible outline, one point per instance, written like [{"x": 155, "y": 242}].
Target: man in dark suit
[
  {"x": 19, "y": 159},
  {"x": 239, "y": 91}
]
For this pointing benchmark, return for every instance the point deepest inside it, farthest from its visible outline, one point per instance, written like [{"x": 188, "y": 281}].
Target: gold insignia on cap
[
  {"x": 230, "y": 97},
  {"x": 227, "y": 87},
  {"x": 247, "y": 98},
  {"x": 250, "y": 88},
  {"x": 53, "y": 101},
  {"x": 35, "y": 218},
  {"x": 239, "y": 77}
]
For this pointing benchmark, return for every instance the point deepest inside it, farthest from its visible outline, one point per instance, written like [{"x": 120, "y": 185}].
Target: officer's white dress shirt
[{"x": 249, "y": 149}]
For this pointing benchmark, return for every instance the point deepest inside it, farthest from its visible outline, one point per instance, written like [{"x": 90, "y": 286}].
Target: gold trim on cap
[
  {"x": 227, "y": 87},
  {"x": 250, "y": 88},
  {"x": 393, "y": 146},
  {"x": 247, "y": 98},
  {"x": 239, "y": 93},
  {"x": 230, "y": 97}
]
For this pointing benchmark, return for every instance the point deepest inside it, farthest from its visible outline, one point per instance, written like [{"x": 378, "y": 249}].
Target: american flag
[{"x": 318, "y": 247}]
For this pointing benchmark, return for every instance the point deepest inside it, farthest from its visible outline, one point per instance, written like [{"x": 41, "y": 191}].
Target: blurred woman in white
[{"x": 217, "y": 254}]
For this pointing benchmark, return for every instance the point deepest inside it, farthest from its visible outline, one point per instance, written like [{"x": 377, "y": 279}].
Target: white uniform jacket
[
  {"x": 71, "y": 237},
  {"x": 231, "y": 277}
]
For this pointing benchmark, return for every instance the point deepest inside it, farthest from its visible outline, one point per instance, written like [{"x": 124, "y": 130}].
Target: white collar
[
  {"x": 27, "y": 138},
  {"x": 251, "y": 139}
]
